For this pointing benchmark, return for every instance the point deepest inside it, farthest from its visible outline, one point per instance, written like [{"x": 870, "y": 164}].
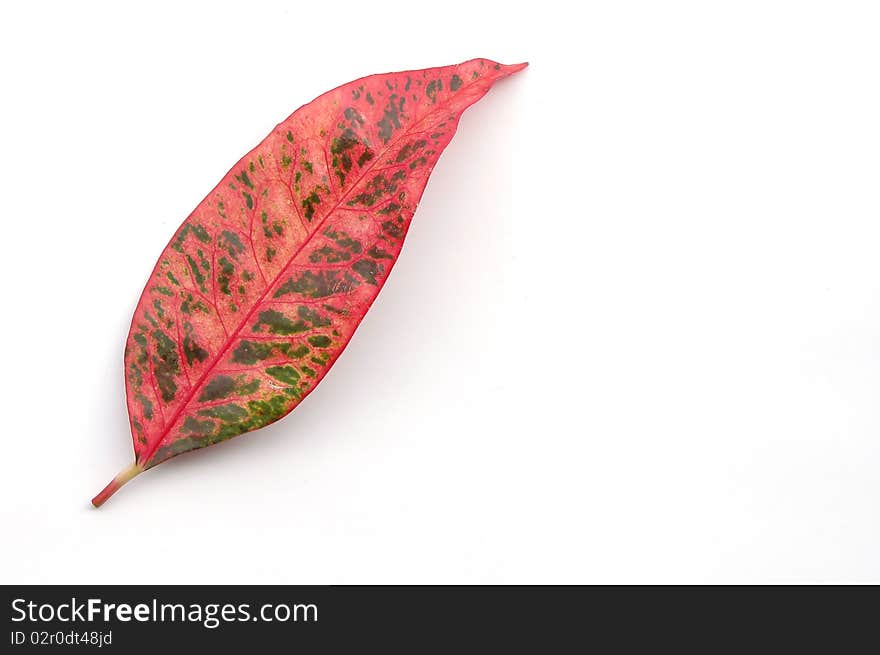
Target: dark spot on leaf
[
  {"x": 244, "y": 179},
  {"x": 192, "y": 350},
  {"x": 378, "y": 253},
  {"x": 193, "y": 426},
  {"x": 166, "y": 365},
  {"x": 250, "y": 352},
  {"x": 434, "y": 86},
  {"x": 278, "y": 323},
  {"x": 367, "y": 269},
  {"x": 317, "y": 285},
  {"x": 220, "y": 387},
  {"x": 223, "y": 278},
  {"x": 390, "y": 121}
]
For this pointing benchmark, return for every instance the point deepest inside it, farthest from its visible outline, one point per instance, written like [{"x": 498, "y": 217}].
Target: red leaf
[{"x": 263, "y": 285}]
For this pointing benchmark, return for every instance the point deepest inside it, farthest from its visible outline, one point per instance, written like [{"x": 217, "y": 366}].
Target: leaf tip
[{"x": 509, "y": 69}]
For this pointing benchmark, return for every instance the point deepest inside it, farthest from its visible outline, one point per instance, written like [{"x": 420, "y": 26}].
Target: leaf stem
[{"x": 116, "y": 483}]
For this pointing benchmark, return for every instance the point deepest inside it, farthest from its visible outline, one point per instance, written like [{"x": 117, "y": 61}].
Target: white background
[{"x": 634, "y": 334}]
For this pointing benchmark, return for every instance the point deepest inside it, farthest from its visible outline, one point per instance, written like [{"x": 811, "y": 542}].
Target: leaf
[{"x": 264, "y": 284}]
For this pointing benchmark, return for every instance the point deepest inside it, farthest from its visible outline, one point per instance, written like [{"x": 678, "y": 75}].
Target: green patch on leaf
[
  {"x": 250, "y": 352},
  {"x": 166, "y": 365},
  {"x": 227, "y": 413},
  {"x": 200, "y": 232},
  {"x": 244, "y": 179},
  {"x": 318, "y": 285},
  {"x": 377, "y": 188},
  {"x": 285, "y": 374},
  {"x": 146, "y": 406},
  {"x": 390, "y": 208},
  {"x": 329, "y": 254},
  {"x": 393, "y": 229},
  {"x": 378, "y": 253},
  {"x": 368, "y": 269},
  {"x": 192, "y": 350},
  {"x": 198, "y": 276},
  {"x": 434, "y": 86},
  {"x": 391, "y": 117},
  {"x": 278, "y": 323},
  {"x": 231, "y": 243},
  {"x": 220, "y": 387},
  {"x": 225, "y": 275},
  {"x": 193, "y": 426},
  {"x": 409, "y": 150},
  {"x": 310, "y": 202},
  {"x": 343, "y": 240}
]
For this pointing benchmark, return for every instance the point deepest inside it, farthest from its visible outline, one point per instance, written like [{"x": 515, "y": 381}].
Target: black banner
[{"x": 412, "y": 619}]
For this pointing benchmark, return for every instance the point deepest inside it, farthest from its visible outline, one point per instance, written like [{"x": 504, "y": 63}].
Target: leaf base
[{"x": 116, "y": 483}]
